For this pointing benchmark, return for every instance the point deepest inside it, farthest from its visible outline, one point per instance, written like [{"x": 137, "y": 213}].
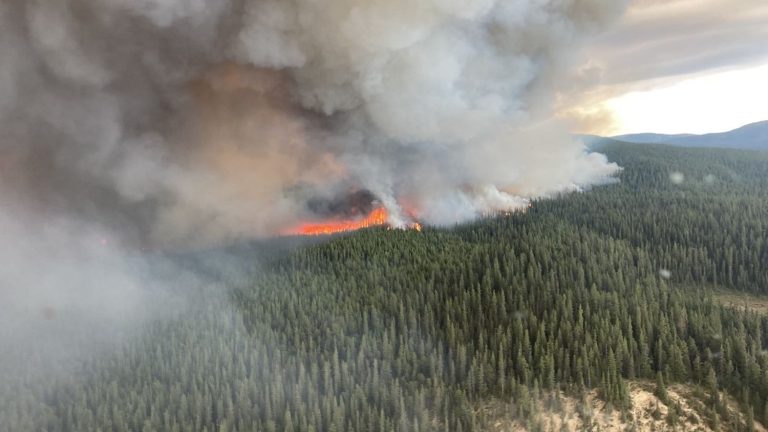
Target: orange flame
[{"x": 378, "y": 217}]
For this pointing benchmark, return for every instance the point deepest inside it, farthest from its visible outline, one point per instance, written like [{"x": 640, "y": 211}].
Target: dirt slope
[{"x": 648, "y": 413}]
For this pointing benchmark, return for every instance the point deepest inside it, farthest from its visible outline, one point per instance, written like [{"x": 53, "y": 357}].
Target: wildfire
[{"x": 377, "y": 217}]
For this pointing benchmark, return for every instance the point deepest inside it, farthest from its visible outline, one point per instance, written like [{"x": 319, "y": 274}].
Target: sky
[
  {"x": 714, "y": 102},
  {"x": 678, "y": 66}
]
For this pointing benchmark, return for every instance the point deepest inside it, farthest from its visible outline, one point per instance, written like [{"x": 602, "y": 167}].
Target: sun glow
[{"x": 711, "y": 103}]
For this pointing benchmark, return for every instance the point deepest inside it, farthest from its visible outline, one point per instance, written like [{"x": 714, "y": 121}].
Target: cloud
[
  {"x": 659, "y": 43},
  {"x": 659, "y": 39}
]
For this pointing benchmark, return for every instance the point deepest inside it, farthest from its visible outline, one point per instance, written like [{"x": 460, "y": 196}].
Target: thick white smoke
[
  {"x": 439, "y": 101},
  {"x": 196, "y": 121}
]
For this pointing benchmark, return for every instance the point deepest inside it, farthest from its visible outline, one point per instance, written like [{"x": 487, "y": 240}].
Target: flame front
[{"x": 378, "y": 217}]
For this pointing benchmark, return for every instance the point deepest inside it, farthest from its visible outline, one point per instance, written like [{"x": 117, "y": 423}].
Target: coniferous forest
[{"x": 390, "y": 330}]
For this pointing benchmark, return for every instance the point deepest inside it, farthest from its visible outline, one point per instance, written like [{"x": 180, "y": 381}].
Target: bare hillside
[{"x": 685, "y": 409}]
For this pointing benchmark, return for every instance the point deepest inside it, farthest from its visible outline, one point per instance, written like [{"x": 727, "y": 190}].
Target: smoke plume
[{"x": 188, "y": 121}]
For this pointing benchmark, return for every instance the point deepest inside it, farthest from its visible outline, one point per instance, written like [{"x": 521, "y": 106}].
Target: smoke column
[{"x": 191, "y": 122}]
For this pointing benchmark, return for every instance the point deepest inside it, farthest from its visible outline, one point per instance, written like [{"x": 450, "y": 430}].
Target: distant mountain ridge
[
  {"x": 651, "y": 138},
  {"x": 752, "y": 136}
]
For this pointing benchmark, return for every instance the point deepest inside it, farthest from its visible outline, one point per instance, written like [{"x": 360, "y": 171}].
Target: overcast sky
[{"x": 677, "y": 66}]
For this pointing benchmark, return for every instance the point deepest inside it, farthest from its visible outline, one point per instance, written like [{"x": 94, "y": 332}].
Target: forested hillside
[
  {"x": 388, "y": 330},
  {"x": 753, "y": 136}
]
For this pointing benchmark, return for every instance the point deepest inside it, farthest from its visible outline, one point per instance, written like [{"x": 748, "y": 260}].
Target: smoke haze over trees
[
  {"x": 405, "y": 330},
  {"x": 135, "y": 126}
]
